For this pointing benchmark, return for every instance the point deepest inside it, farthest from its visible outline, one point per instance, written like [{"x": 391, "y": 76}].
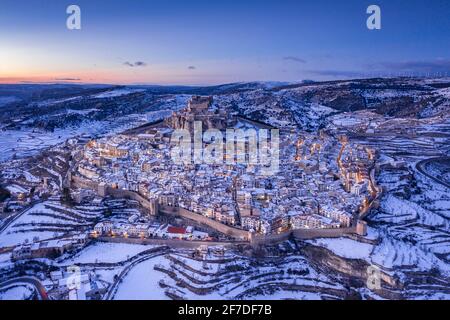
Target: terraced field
[{"x": 49, "y": 220}]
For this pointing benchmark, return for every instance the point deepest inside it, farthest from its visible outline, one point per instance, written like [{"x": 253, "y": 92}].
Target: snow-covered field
[
  {"x": 28, "y": 142},
  {"x": 393, "y": 253},
  {"x": 116, "y": 93},
  {"x": 346, "y": 248},
  {"x": 238, "y": 278},
  {"x": 16, "y": 234},
  {"x": 141, "y": 283},
  {"x": 7, "y": 99},
  {"x": 5, "y": 260},
  {"x": 43, "y": 222},
  {"x": 17, "y": 292},
  {"x": 108, "y": 252}
]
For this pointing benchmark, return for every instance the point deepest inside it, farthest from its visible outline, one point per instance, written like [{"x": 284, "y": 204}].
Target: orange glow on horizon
[
  {"x": 163, "y": 75},
  {"x": 86, "y": 77}
]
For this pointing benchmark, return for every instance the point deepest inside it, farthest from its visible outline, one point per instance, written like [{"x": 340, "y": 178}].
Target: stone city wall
[
  {"x": 301, "y": 234},
  {"x": 150, "y": 205},
  {"x": 80, "y": 182},
  {"x": 173, "y": 243},
  {"x": 228, "y": 230}
]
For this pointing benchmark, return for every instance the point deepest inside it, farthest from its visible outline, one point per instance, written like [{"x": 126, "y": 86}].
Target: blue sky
[{"x": 209, "y": 42}]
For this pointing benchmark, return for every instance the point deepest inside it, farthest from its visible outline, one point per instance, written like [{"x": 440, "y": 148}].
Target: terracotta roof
[{"x": 176, "y": 230}]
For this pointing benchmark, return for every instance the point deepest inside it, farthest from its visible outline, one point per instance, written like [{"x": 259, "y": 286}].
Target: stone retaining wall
[
  {"x": 301, "y": 234},
  {"x": 151, "y": 206},
  {"x": 83, "y": 183},
  {"x": 168, "y": 242}
]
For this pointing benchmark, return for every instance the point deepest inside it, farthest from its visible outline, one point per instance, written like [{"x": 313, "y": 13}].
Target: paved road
[
  {"x": 173, "y": 243},
  {"x": 17, "y": 216},
  {"x": 42, "y": 293},
  {"x": 113, "y": 289},
  {"x": 420, "y": 166}
]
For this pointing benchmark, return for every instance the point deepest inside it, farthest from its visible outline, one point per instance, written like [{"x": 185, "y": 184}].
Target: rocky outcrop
[{"x": 352, "y": 272}]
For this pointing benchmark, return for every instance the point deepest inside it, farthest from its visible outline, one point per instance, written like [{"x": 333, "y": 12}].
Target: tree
[
  {"x": 108, "y": 212},
  {"x": 54, "y": 254},
  {"x": 32, "y": 190},
  {"x": 4, "y": 194},
  {"x": 66, "y": 197}
]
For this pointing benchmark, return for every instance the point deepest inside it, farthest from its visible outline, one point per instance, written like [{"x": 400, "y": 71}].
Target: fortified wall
[
  {"x": 103, "y": 190},
  {"x": 236, "y": 233},
  {"x": 82, "y": 183},
  {"x": 301, "y": 234},
  {"x": 173, "y": 243},
  {"x": 151, "y": 206}
]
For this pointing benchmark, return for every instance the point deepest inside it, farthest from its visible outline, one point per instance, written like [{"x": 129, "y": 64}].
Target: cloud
[
  {"x": 67, "y": 79},
  {"x": 419, "y": 66},
  {"x": 136, "y": 64},
  {"x": 192, "y": 68},
  {"x": 436, "y": 67},
  {"x": 295, "y": 59}
]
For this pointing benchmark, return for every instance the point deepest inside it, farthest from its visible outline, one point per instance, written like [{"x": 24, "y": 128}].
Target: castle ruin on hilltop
[{"x": 199, "y": 109}]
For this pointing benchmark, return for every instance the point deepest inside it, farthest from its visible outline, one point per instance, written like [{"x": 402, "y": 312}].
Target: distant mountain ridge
[{"x": 307, "y": 104}]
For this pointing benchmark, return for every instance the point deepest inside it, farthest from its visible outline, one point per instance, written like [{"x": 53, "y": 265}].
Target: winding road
[
  {"x": 17, "y": 216},
  {"x": 113, "y": 289},
  {"x": 42, "y": 293},
  {"x": 421, "y": 167}
]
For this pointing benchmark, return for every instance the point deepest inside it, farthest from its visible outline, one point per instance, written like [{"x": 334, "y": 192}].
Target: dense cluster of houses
[
  {"x": 146, "y": 230},
  {"x": 74, "y": 284},
  {"x": 49, "y": 248},
  {"x": 311, "y": 190}
]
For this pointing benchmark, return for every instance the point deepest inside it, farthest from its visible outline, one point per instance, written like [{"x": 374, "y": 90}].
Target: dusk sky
[{"x": 211, "y": 42}]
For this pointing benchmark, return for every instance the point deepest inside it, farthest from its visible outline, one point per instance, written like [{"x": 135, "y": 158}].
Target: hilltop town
[
  {"x": 323, "y": 182},
  {"x": 240, "y": 192}
]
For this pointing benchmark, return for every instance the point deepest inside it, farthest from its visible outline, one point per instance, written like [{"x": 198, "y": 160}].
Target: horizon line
[{"x": 282, "y": 83}]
